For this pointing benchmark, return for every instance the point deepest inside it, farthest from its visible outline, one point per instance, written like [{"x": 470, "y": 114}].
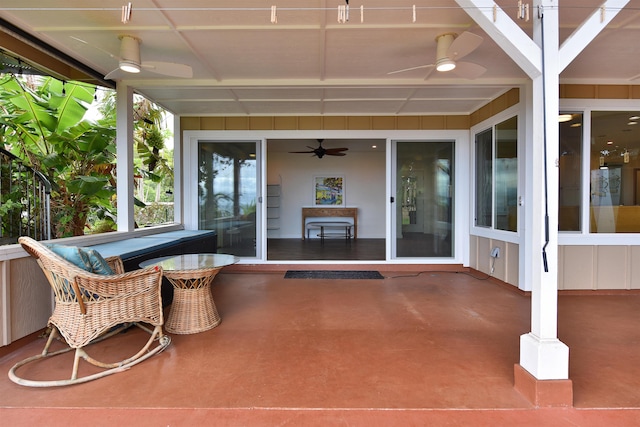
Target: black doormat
[{"x": 332, "y": 274}]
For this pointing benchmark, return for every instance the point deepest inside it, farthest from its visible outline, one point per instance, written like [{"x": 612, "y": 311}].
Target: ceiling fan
[
  {"x": 450, "y": 48},
  {"x": 320, "y": 151},
  {"x": 129, "y": 61}
]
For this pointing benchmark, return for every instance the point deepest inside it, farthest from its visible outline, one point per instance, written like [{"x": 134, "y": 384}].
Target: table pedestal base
[
  {"x": 192, "y": 311},
  {"x": 191, "y": 275}
]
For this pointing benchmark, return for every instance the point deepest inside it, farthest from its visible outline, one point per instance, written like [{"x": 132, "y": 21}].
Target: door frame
[
  {"x": 190, "y": 192},
  {"x": 461, "y": 221},
  {"x": 461, "y": 191}
]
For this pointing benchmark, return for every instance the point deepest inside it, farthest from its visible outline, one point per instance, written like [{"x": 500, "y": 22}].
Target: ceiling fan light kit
[
  {"x": 129, "y": 54},
  {"x": 129, "y": 62},
  {"x": 129, "y": 66},
  {"x": 450, "y": 48},
  {"x": 445, "y": 64}
]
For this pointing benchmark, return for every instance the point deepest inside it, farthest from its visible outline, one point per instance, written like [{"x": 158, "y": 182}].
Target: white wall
[{"x": 364, "y": 188}]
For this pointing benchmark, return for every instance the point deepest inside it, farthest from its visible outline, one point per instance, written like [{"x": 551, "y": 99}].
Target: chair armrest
[
  {"x": 96, "y": 287},
  {"x": 115, "y": 262}
]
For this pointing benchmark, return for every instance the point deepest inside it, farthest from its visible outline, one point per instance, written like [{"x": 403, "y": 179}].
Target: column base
[{"x": 543, "y": 393}]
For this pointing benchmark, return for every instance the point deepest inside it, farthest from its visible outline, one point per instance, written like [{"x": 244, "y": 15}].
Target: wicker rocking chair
[{"x": 91, "y": 307}]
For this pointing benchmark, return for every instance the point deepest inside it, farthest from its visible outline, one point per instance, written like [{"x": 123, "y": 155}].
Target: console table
[{"x": 328, "y": 214}]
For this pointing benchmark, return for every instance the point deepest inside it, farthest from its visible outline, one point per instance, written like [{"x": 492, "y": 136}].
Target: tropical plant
[
  {"x": 153, "y": 162},
  {"x": 42, "y": 121},
  {"x": 153, "y": 165}
]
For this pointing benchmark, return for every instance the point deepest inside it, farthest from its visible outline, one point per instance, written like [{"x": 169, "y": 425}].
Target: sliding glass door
[
  {"x": 228, "y": 189},
  {"x": 423, "y": 202}
]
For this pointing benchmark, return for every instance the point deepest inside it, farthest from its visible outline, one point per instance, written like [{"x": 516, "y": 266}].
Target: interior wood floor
[
  {"x": 412, "y": 349},
  {"x": 339, "y": 249},
  {"x": 330, "y": 249}
]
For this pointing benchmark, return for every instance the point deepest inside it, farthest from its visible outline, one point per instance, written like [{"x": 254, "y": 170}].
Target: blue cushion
[
  {"x": 87, "y": 259},
  {"x": 99, "y": 265},
  {"x": 73, "y": 254}
]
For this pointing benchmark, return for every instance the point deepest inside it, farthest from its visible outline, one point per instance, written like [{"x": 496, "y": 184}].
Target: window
[
  {"x": 497, "y": 176},
  {"x": 484, "y": 177},
  {"x": 506, "y": 175},
  {"x": 570, "y": 180},
  {"x": 614, "y": 172}
]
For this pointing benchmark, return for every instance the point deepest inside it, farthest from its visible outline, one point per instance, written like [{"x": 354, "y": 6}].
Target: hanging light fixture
[
  {"x": 129, "y": 54},
  {"x": 443, "y": 62}
]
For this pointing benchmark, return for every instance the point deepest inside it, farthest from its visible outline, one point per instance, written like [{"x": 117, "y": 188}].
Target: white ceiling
[{"x": 308, "y": 63}]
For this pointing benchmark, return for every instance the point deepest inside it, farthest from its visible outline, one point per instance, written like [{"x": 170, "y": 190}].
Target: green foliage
[
  {"x": 8, "y": 206},
  {"x": 10, "y": 210},
  {"x": 43, "y": 123},
  {"x": 153, "y": 164},
  {"x": 154, "y": 213},
  {"x": 248, "y": 208},
  {"x": 154, "y": 138},
  {"x": 102, "y": 226}
]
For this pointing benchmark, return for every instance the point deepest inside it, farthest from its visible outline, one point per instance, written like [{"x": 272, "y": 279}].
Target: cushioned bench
[
  {"x": 135, "y": 250},
  {"x": 329, "y": 214},
  {"x": 329, "y": 222},
  {"x": 138, "y": 249}
]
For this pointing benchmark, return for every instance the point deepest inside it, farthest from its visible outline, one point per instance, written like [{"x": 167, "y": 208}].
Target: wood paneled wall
[{"x": 435, "y": 122}]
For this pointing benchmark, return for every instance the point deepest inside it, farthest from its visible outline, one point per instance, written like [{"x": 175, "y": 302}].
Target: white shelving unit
[{"x": 273, "y": 209}]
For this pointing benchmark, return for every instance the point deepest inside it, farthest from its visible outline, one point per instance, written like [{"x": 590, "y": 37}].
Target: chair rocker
[{"x": 92, "y": 307}]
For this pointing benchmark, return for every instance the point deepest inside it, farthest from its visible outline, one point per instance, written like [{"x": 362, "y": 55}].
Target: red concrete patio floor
[{"x": 436, "y": 348}]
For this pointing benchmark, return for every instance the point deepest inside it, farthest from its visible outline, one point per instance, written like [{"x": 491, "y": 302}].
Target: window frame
[
  {"x": 584, "y": 236},
  {"x": 492, "y": 123}
]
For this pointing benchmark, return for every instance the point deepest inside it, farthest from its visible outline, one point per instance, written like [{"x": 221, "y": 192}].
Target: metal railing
[{"x": 25, "y": 201}]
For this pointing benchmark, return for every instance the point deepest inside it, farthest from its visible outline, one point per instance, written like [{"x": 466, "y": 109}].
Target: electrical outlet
[{"x": 495, "y": 252}]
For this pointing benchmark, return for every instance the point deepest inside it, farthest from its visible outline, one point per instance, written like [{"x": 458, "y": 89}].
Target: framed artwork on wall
[{"x": 328, "y": 190}]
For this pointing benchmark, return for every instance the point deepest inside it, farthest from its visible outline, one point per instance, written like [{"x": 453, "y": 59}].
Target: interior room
[
  {"x": 292, "y": 176},
  {"x": 424, "y": 192}
]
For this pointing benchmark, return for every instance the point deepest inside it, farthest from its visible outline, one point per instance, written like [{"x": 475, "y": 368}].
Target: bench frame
[
  {"x": 322, "y": 225},
  {"x": 330, "y": 214}
]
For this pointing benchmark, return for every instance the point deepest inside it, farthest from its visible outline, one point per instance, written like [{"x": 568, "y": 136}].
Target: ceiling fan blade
[
  {"x": 168, "y": 69},
  {"x": 411, "y": 69},
  {"x": 115, "y": 74},
  {"x": 469, "y": 70},
  {"x": 320, "y": 151},
  {"x": 94, "y": 47},
  {"x": 429, "y": 73},
  {"x": 463, "y": 45}
]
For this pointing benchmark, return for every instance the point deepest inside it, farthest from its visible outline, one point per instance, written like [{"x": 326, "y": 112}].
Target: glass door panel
[
  {"x": 227, "y": 194},
  {"x": 424, "y": 195}
]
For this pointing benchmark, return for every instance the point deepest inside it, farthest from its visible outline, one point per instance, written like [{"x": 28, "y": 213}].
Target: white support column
[
  {"x": 529, "y": 274},
  {"x": 124, "y": 153},
  {"x": 178, "y": 172},
  {"x": 5, "y": 306},
  {"x": 541, "y": 353}
]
